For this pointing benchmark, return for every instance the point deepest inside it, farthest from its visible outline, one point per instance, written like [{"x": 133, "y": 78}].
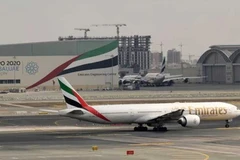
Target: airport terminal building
[
  {"x": 221, "y": 64},
  {"x": 87, "y": 64}
]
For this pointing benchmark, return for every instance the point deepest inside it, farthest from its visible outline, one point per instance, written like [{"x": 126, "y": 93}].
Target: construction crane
[
  {"x": 116, "y": 25},
  {"x": 83, "y": 29}
]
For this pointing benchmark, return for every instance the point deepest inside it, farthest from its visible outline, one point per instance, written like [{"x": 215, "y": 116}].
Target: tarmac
[
  {"x": 54, "y": 137},
  {"x": 178, "y": 91},
  {"x": 27, "y": 134}
]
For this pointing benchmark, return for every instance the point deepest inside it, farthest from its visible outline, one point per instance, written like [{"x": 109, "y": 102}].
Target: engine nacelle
[
  {"x": 189, "y": 120},
  {"x": 121, "y": 82},
  {"x": 186, "y": 80}
]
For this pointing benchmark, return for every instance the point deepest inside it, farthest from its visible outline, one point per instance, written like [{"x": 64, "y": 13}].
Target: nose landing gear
[{"x": 227, "y": 123}]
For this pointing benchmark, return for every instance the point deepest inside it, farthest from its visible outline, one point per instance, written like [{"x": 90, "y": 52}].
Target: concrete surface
[
  {"x": 53, "y": 137},
  {"x": 177, "y": 91}
]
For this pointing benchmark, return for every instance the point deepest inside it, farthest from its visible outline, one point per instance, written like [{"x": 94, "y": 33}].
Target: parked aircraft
[
  {"x": 152, "y": 115},
  {"x": 156, "y": 79}
]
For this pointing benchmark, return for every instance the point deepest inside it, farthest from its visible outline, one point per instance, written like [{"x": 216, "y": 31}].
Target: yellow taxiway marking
[
  {"x": 42, "y": 113},
  {"x": 231, "y": 128},
  {"x": 56, "y": 123},
  {"x": 152, "y": 144},
  {"x": 36, "y": 129},
  {"x": 206, "y": 157},
  {"x": 177, "y": 155},
  {"x": 72, "y": 136}
]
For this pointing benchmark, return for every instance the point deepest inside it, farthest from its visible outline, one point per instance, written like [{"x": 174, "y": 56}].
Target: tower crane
[
  {"x": 83, "y": 29},
  {"x": 116, "y": 25}
]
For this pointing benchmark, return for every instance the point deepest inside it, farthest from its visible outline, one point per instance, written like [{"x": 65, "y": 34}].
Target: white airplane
[
  {"x": 156, "y": 79},
  {"x": 152, "y": 115}
]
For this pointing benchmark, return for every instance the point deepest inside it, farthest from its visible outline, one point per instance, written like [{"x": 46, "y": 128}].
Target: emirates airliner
[{"x": 152, "y": 115}]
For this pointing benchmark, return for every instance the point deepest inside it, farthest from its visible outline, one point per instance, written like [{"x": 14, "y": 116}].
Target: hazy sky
[{"x": 196, "y": 23}]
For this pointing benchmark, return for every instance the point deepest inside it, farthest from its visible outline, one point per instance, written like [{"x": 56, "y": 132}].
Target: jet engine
[
  {"x": 186, "y": 80},
  {"x": 189, "y": 120},
  {"x": 121, "y": 82}
]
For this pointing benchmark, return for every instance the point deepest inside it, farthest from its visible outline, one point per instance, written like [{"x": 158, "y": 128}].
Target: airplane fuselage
[
  {"x": 154, "y": 78},
  {"x": 141, "y": 113}
]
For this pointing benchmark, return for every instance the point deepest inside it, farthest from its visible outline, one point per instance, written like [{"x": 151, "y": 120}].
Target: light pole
[
  {"x": 112, "y": 70},
  {"x": 181, "y": 46},
  {"x": 161, "y": 56},
  {"x": 14, "y": 71}
]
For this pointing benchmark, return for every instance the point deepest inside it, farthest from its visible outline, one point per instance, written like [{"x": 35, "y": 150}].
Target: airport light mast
[{"x": 181, "y": 46}]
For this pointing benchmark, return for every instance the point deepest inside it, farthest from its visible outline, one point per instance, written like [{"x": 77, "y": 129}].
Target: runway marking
[
  {"x": 209, "y": 150},
  {"x": 191, "y": 150},
  {"x": 16, "y": 105},
  {"x": 152, "y": 144},
  {"x": 52, "y": 128},
  {"x": 56, "y": 123},
  {"x": 44, "y": 130},
  {"x": 71, "y": 137},
  {"x": 42, "y": 157},
  {"x": 116, "y": 134},
  {"x": 36, "y": 129},
  {"x": 232, "y": 128}
]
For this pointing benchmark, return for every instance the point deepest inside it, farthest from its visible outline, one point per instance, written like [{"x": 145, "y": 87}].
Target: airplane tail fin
[
  {"x": 72, "y": 98},
  {"x": 163, "y": 65},
  {"x": 75, "y": 102}
]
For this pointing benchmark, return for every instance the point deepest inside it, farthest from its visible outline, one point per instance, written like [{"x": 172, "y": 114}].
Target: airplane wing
[
  {"x": 173, "y": 76},
  {"x": 168, "y": 116},
  {"x": 155, "y": 118},
  {"x": 64, "y": 111},
  {"x": 185, "y": 79},
  {"x": 129, "y": 80}
]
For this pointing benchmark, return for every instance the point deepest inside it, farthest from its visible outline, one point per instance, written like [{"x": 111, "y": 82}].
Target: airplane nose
[{"x": 238, "y": 112}]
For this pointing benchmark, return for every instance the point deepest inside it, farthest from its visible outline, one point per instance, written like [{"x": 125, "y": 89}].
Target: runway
[{"x": 54, "y": 137}]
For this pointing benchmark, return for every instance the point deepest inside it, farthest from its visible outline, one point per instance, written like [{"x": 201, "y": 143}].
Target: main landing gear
[
  {"x": 227, "y": 123},
  {"x": 140, "y": 128},
  {"x": 156, "y": 128},
  {"x": 159, "y": 128}
]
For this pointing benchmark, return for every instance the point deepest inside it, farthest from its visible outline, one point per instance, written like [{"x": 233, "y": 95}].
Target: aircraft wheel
[
  {"x": 227, "y": 125},
  {"x": 164, "y": 128},
  {"x": 160, "y": 129},
  {"x": 140, "y": 128},
  {"x": 145, "y": 128}
]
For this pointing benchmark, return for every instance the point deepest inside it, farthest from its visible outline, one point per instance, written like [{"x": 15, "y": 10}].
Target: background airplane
[
  {"x": 152, "y": 115},
  {"x": 156, "y": 79}
]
